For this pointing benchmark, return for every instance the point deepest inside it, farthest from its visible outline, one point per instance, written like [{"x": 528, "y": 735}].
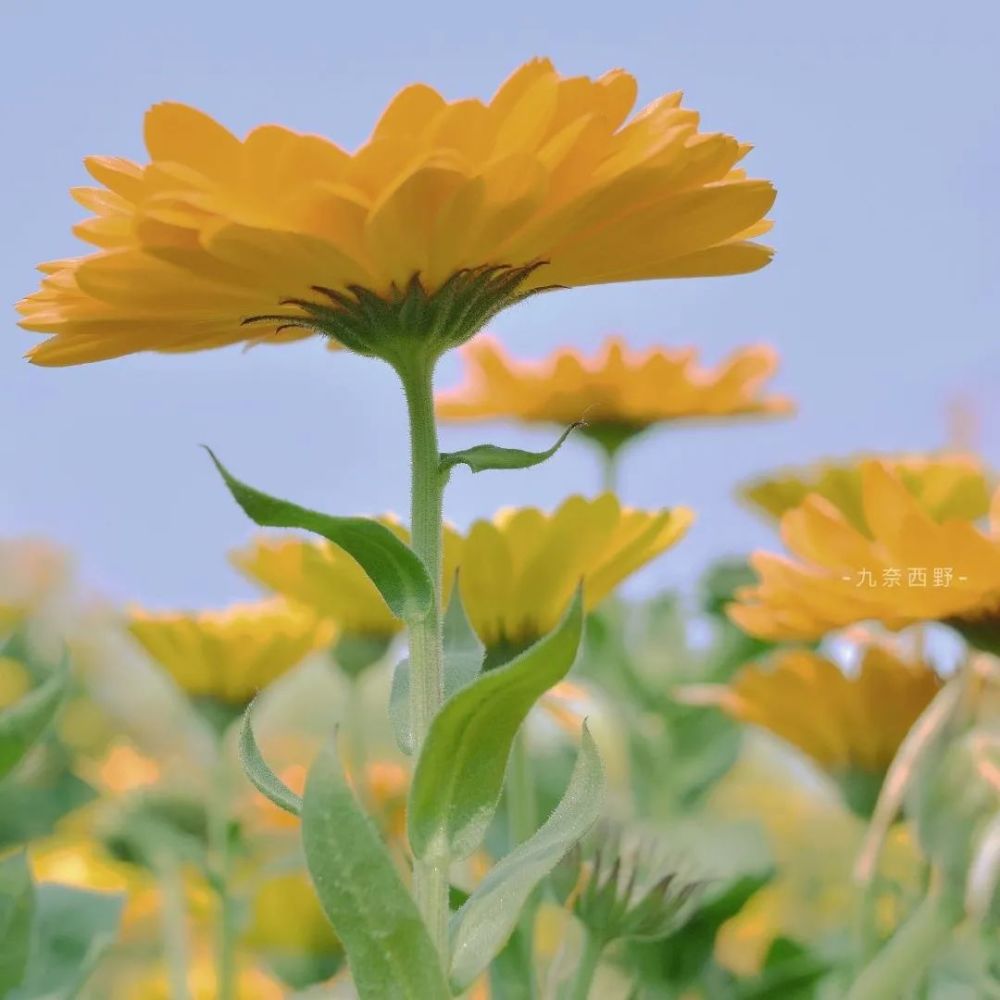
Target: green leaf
[
  {"x": 395, "y": 569},
  {"x": 460, "y": 771},
  {"x": 32, "y": 806},
  {"x": 790, "y": 972},
  {"x": 261, "y": 776},
  {"x": 484, "y": 923},
  {"x": 26, "y": 720},
  {"x": 17, "y": 903},
  {"x": 387, "y": 944},
  {"x": 482, "y": 457},
  {"x": 463, "y": 659}
]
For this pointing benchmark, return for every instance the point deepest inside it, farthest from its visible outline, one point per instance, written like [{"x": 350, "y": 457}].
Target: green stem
[
  {"x": 904, "y": 960},
  {"x": 359, "y": 742},
  {"x": 174, "y": 928},
  {"x": 522, "y": 802},
  {"x": 579, "y": 988},
  {"x": 430, "y": 880},
  {"x": 221, "y": 850},
  {"x": 609, "y": 481}
]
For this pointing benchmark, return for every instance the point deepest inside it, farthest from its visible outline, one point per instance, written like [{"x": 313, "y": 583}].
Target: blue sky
[{"x": 879, "y": 124}]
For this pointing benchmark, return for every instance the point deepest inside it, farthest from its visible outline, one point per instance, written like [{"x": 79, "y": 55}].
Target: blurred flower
[
  {"x": 618, "y": 393},
  {"x": 124, "y": 769},
  {"x": 252, "y": 983},
  {"x": 286, "y": 916},
  {"x": 904, "y": 567},
  {"x": 30, "y": 570},
  {"x": 519, "y": 571},
  {"x": 15, "y": 681},
  {"x": 946, "y": 486},
  {"x": 851, "y": 726},
  {"x": 546, "y": 185},
  {"x": 324, "y": 578},
  {"x": 229, "y": 655}
]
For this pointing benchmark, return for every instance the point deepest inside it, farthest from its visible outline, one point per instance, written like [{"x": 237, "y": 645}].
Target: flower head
[
  {"x": 901, "y": 567},
  {"x": 947, "y": 486},
  {"x": 323, "y": 577},
  {"x": 618, "y": 389},
  {"x": 519, "y": 570},
  {"x": 450, "y": 211},
  {"x": 850, "y": 725},
  {"x": 228, "y": 656}
]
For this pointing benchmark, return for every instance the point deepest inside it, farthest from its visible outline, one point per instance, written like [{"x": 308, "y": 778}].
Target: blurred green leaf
[
  {"x": 261, "y": 776},
  {"x": 484, "y": 923},
  {"x": 790, "y": 972},
  {"x": 483, "y": 457},
  {"x": 460, "y": 771},
  {"x": 463, "y": 659},
  {"x": 17, "y": 903},
  {"x": 387, "y": 944},
  {"x": 397, "y": 572},
  {"x": 22, "y": 723}
]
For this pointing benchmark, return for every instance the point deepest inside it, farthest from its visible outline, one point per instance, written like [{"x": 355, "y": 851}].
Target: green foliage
[
  {"x": 398, "y": 574},
  {"x": 261, "y": 776},
  {"x": 387, "y": 943},
  {"x": 354, "y": 654},
  {"x": 17, "y": 904},
  {"x": 483, "y": 457},
  {"x": 32, "y": 805},
  {"x": 460, "y": 771},
  {"x": 790, "y": 972},
  {"x": 484, "y": 923},
  {"x": 23, "y": 723}
]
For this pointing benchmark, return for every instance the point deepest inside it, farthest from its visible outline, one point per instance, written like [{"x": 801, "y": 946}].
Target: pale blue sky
[{"x": 879, "y": 123}]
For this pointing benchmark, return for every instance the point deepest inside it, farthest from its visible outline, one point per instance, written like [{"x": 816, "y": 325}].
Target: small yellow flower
[
  {"x": 901, "y": 567},
  {"x": 230, "y": 655},
  {"x": 324, "y": 578},
  {"x": 286, "y": 916},
  {"x": 547, "y": 184},
  {"x": 519, "y": 571},
  {"x": 616, "y": 389},
  {"x": 947, "y": 486}
]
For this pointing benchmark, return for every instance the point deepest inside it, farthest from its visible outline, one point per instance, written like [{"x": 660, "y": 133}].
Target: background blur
[{"x": 879, "y": 123}]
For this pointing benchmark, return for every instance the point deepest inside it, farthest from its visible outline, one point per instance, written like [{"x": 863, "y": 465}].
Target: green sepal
[
  {"x": 482, "y": 926},
  {"x": 22, "y": 723},
  {"x": 17, "y": 905},
  {"x": 388, "y": 947},
  {"x": 397, "y": 572},
  {"x": 460, "y": 772},
  {"x": 261, "y": 776},
  {"x": 354, "y": 653},
  {"x": 482, "y": 457},
  {"x": 463, "y": 659}
]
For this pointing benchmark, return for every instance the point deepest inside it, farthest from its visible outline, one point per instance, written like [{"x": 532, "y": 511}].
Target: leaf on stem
[
  {"x": 261, "y": 776},
  {"x": 26, "y": 720},
  {"x": 17, "y": 903},
  {"x": 482, "y": 457}
]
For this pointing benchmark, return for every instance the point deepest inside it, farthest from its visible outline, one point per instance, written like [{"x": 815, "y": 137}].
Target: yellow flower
[
  {"x": 252, "y": 983},
  {"x": 230, "y": 655},
  {"x": 324, "y": 578},
  {"x": 30, "y": 571},
  {"x": 902, "y": 567},
  {"x": 286, "y": 916},
  {"x": 947, "y": 486},
  {"x": 15, "y": 681},
  {"x": 519, "y": 571},
  {"x": 548, "y": 184},
  {"x": 616, "y": 389}
]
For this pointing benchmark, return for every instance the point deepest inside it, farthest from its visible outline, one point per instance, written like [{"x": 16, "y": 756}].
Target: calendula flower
[
  {"x": 619, "y": 393},
  {"x": 325, "y": 579},
  {"x": 228, "y": 656},
  {"x": 901, "y": 567},
  {"x": 449, "y": 212},
  {"x": 286, "y": 918},
  {"x": 519, "y": 570},
  {"x": 946, "y": 486},
  {"x": 849, "y": 725}
]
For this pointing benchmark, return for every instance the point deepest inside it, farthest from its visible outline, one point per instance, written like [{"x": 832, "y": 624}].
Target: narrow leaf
[
  {"x": 26, "y": 720},
  {"x": 261, "y": 776},
  {"x": 463, "y": 659},
  {"x": 460, "y": 772},
  {"x": 482, "y": 926},
  {"x": 482, "y": 457},
  {"x": 395, "y": 569},
  {"x": 387, "y": 944},
  {"x": 17, "y": 903}
]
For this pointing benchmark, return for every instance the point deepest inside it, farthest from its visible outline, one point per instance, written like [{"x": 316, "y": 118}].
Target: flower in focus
[
  {"x": 520, "y": 570},
  {"x": 322, "y": 577},
  {"x": 850, "y": 725},
  {"x": 451, "y": 209},
  {"x": 228, "y": 656},
  {"x": 902, "y": 566},
  {"x": 946, "y": 486},
  {"x": 618, "y": 393}
]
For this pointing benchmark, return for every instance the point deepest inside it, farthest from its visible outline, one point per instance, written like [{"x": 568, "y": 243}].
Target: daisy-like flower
[
  {"x": 228, "y": 656},
  {"x": 850, "y": 725},
  {"x": 450, "y": 211},
  {"x": 519, "y": 570},
  {"x": 325, "y": 579},
  {"x": 947, "y": 486},
  {"x": 900, "y": 567}
]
